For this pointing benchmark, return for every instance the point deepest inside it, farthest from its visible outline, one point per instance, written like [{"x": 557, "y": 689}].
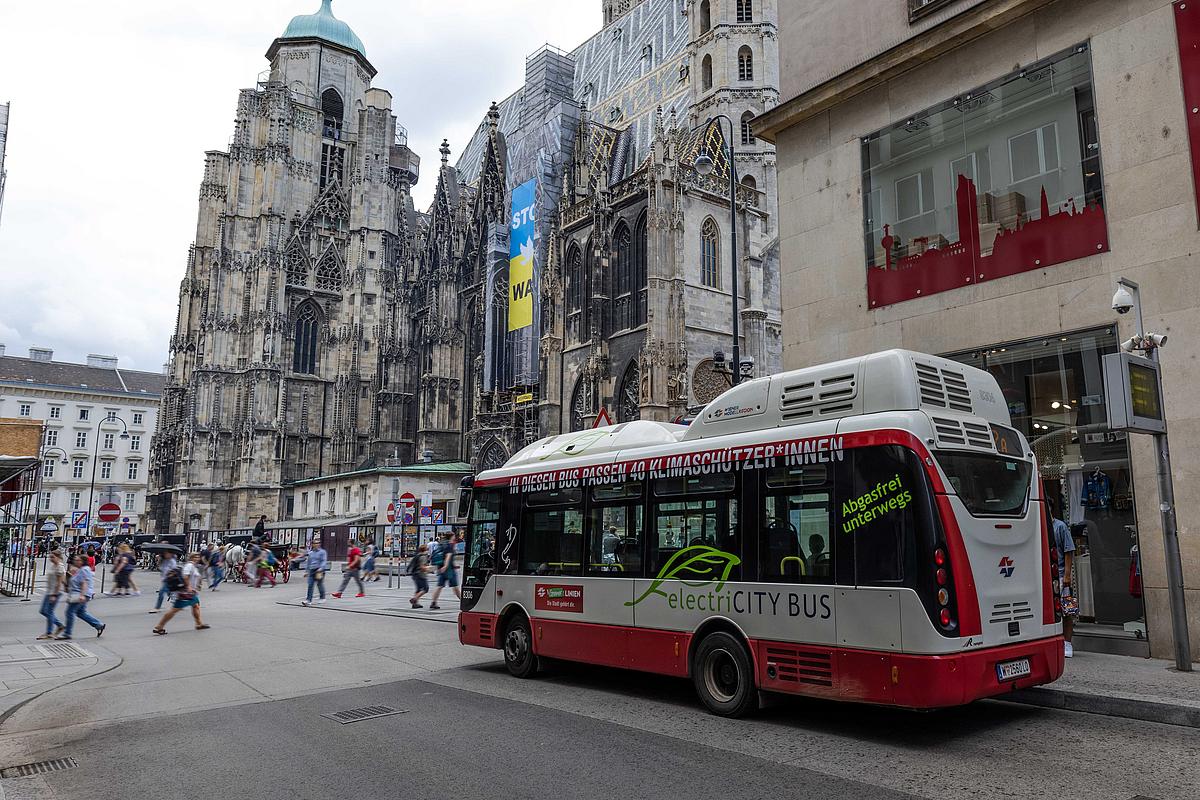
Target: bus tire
[
  {"x": 519, "y": 657},
  {"x": 723, "y": 675}
]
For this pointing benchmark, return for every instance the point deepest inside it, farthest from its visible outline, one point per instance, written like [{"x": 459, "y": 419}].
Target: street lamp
[
  {"x": 1126, "y": 299},
  {"x": 704, "y": 165},
  {"x": 96, "y": 456}
]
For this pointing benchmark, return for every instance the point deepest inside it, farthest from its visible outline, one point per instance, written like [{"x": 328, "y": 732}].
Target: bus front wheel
[
  {"x": 519, "y": 657},
  {"x": 723, "y": 675}
]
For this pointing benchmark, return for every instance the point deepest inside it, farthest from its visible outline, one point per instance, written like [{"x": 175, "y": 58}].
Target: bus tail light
[
  {"x": 946, "y": 610},
  {"x": 1055, "y": 584},
  {"x": 942, "y": 577},
  {"x": 945, "y": 618},
  {"x": 939, "y": 557}
]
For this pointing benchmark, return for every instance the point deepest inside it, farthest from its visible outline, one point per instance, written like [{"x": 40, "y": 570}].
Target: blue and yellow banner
[{"x": 521, "y": 256}]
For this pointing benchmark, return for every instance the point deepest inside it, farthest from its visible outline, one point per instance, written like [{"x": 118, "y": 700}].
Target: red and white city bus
[{"x": 871, "y": 530}]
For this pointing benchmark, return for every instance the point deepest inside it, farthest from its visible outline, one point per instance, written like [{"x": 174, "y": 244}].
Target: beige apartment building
[{"x": 970, "y": 178}]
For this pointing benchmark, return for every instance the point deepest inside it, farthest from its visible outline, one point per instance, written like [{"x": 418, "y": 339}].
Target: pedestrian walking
[
  {"x": 56, "y": 583},
  {"x": 166, "y": 565},
  {"x": 351, "y": 570},
  {"x": 266, "y": 568},
  {"x": 185, "y": 582},
  {"x": 369, "y": 573},
  {"x": 318, "y": 559},
  {"x": 418, "y": 567},
  {"x": 1064, "y": 543},
  {"x": 216, "y": 563},
  {"x": 80, "y": 590},
  {"x": 443, "y": 562}
]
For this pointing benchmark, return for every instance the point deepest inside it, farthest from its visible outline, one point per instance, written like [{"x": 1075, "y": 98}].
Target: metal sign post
[{"x": 1135, "y": 403}]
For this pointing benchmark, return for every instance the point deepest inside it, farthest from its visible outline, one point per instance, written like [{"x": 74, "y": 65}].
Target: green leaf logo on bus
[{"x": 698, "y": 565}]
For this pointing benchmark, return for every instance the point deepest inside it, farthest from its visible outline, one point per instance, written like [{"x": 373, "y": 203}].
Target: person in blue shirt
[
  {"x": 1062, "y": 541},
  {"x": 80, "y": 589},
  {"x": 318, "y": 560}
]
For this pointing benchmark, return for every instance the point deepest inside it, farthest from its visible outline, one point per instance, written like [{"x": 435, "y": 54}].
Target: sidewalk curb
[
  {"x": 1144, "y": 710},
  {"x": 19, "y": 700}
]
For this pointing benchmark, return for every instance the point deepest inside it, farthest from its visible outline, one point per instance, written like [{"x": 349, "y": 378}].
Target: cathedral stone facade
[{"x": 325, "y": 325}]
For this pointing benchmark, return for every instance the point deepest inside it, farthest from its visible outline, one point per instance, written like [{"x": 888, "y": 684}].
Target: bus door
[{"x": 481, "y": 553}]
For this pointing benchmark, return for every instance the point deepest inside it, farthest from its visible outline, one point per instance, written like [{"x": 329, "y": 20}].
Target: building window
[
  {"x": 749, "y": 182},
  {"x": 705, "y": 16},
  {"x": 706, "y": 78},
  {"x": 304, "y": 356},
  {"x": 329, "y": 273},
  {"x": 81, "y": 440},
  {"x": 55, "y": 412},
  {"x": 574, "y": 293},
  {"x": 77, "y": 468},
  {"x": 710, "y": 254},
  {"x": 628, "y": 399},
  {"x": 1002, "y": 179},
  {"x": 346, "y": 500},
  {"x": 745, "y": 64},
  {"x": 584, "y": 400},
  {"x": 51, "y": 438},
  {"x": 332, "y": 113},
  {"x": 47, "y": 469},
  {"x": 745, "y": 11},
  {"x": 130, "y": 500},
  {"x": 84, "y": 413},
  {"x": 135, "y": 442},
  {"x": 304, "y": 504},
  {"x": 747, "y": 130},
  {"x": 640, "y": 243},
  {"x": 46, "y": 501},
  {"x": 25, "y": 410},
  {"x": 106, "y": 470},
  {"x": 138, "y": 416},
  {"x": 332, "y": 501},
  {"x": 133, "y": 470},
  {"x": 109, "y": 440},
  {"x": 75, "y": 500},
  {"x": 362, "y": 496},
  {"x": 622, "y": 304}
]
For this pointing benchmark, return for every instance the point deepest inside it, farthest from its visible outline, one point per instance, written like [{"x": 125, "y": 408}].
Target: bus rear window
[{"x": 988, "y": 486}]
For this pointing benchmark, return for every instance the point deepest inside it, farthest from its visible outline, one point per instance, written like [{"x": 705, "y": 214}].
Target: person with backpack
[
  {"x": 80, "y": 590},
  {"x": 266, "y": 568},
  {"x": 315, "y": 566},
  {"x": 417, "y": 567},
  {"x": 166, "y": 566},
  {"x": 353, "y": 566},
  {"x": 185, "y": 583},
  {"x": 216, "y": 562},
  {"x": 443, "y": 562}
]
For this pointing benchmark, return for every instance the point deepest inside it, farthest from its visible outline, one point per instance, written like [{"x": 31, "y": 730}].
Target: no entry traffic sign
[{"x": 109, "y": 512}]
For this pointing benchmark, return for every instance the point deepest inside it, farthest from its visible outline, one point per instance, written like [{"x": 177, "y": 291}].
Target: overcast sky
[{"x": 115, "y": 102}]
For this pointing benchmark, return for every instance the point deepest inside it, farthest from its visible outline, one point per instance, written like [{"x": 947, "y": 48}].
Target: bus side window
[
  {"x": 552, "y": 533},
  {"x": 687, "y": 512},
  {"x": 879, "y": 505},
  {"x": 615, "y": 531},
  {"x": 482, "y": 531},
  {"x": 796, "y": 543}
]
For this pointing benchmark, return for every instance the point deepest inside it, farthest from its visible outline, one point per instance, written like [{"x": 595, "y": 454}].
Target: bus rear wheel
[
  {"x": 723, "y": 675},
  {"x": 519, "y": 657}
]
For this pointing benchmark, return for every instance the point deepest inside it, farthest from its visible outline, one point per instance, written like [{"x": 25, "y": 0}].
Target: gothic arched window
[
  {"x": 749, "y": 182},
  {"x": 622, "y": 305},
  {"x": 640, "y": 243},
  {"x": 706, "y": 73},
  {"x": 573, "y": 278},
  {"x": 628, "y": 399},
  {"x": 745, "y": 63},
  {"x": 493, "y": 456},
  {"x": 747, "y": 130},
  {"x": 705, "y": 16},
  {"x": 333, "y": 112},
  {"x": 296, "y": 264},
  {"x": 745, "y": 11},
  {"x": 329, "y": 273},
  {"x": 590, "y": 257},
  {"x": 710, "y": 254},
  {"x": 583, "y": 404},
  {"x": 308, "y": 330}
]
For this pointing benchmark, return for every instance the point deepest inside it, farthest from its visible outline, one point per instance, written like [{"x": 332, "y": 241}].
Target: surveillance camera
[
  {"x": 1122, "y": 300},
  {"x": 718, "y": 357},
  {"x": 747, "y": 367}
]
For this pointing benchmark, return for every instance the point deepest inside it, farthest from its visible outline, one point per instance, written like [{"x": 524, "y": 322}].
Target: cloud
[{"x": 108, "y": 132}]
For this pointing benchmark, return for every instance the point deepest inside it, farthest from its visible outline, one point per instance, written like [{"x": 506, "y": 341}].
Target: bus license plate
[{"x": 1011, "y": 670}]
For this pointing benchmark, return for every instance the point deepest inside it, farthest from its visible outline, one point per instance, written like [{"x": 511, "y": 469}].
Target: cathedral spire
[{"x": 445, "y": 151}]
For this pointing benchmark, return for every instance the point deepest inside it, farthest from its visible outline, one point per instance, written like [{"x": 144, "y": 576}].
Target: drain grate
[
  {"x": 63, "y": 650},
  {"x": 38, "y": 768},
  {"x": 360, "y": 714}
]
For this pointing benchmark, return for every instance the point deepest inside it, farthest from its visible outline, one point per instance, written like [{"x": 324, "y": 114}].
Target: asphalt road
[{"x": 235, "y": 712}]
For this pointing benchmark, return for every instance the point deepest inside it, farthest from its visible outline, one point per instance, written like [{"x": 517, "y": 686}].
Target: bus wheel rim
[
  {"x": 515, "y": 645},
  {"x": 722, "y": 676}
]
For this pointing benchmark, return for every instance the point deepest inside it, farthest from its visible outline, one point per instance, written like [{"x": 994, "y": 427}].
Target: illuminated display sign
[{"x": 1134, "y": 391}]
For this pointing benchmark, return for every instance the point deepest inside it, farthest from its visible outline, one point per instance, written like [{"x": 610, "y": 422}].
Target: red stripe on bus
[
  {"x": 1047, "y": 583},
  {"x": 969, "y": 623}
]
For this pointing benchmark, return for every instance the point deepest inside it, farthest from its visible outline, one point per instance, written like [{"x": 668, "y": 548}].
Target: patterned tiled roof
[{"x": 80, "y": 376}]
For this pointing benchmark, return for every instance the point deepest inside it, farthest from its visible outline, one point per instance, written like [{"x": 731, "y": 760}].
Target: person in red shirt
[
  {"x": 353, "y": 567},
  {"x": 91, "y": 559}
]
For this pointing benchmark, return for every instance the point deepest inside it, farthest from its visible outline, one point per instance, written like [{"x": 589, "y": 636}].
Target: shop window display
[
  {"x": 1054, "y": 388},
  {"x": 1000, "y": 180}
]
